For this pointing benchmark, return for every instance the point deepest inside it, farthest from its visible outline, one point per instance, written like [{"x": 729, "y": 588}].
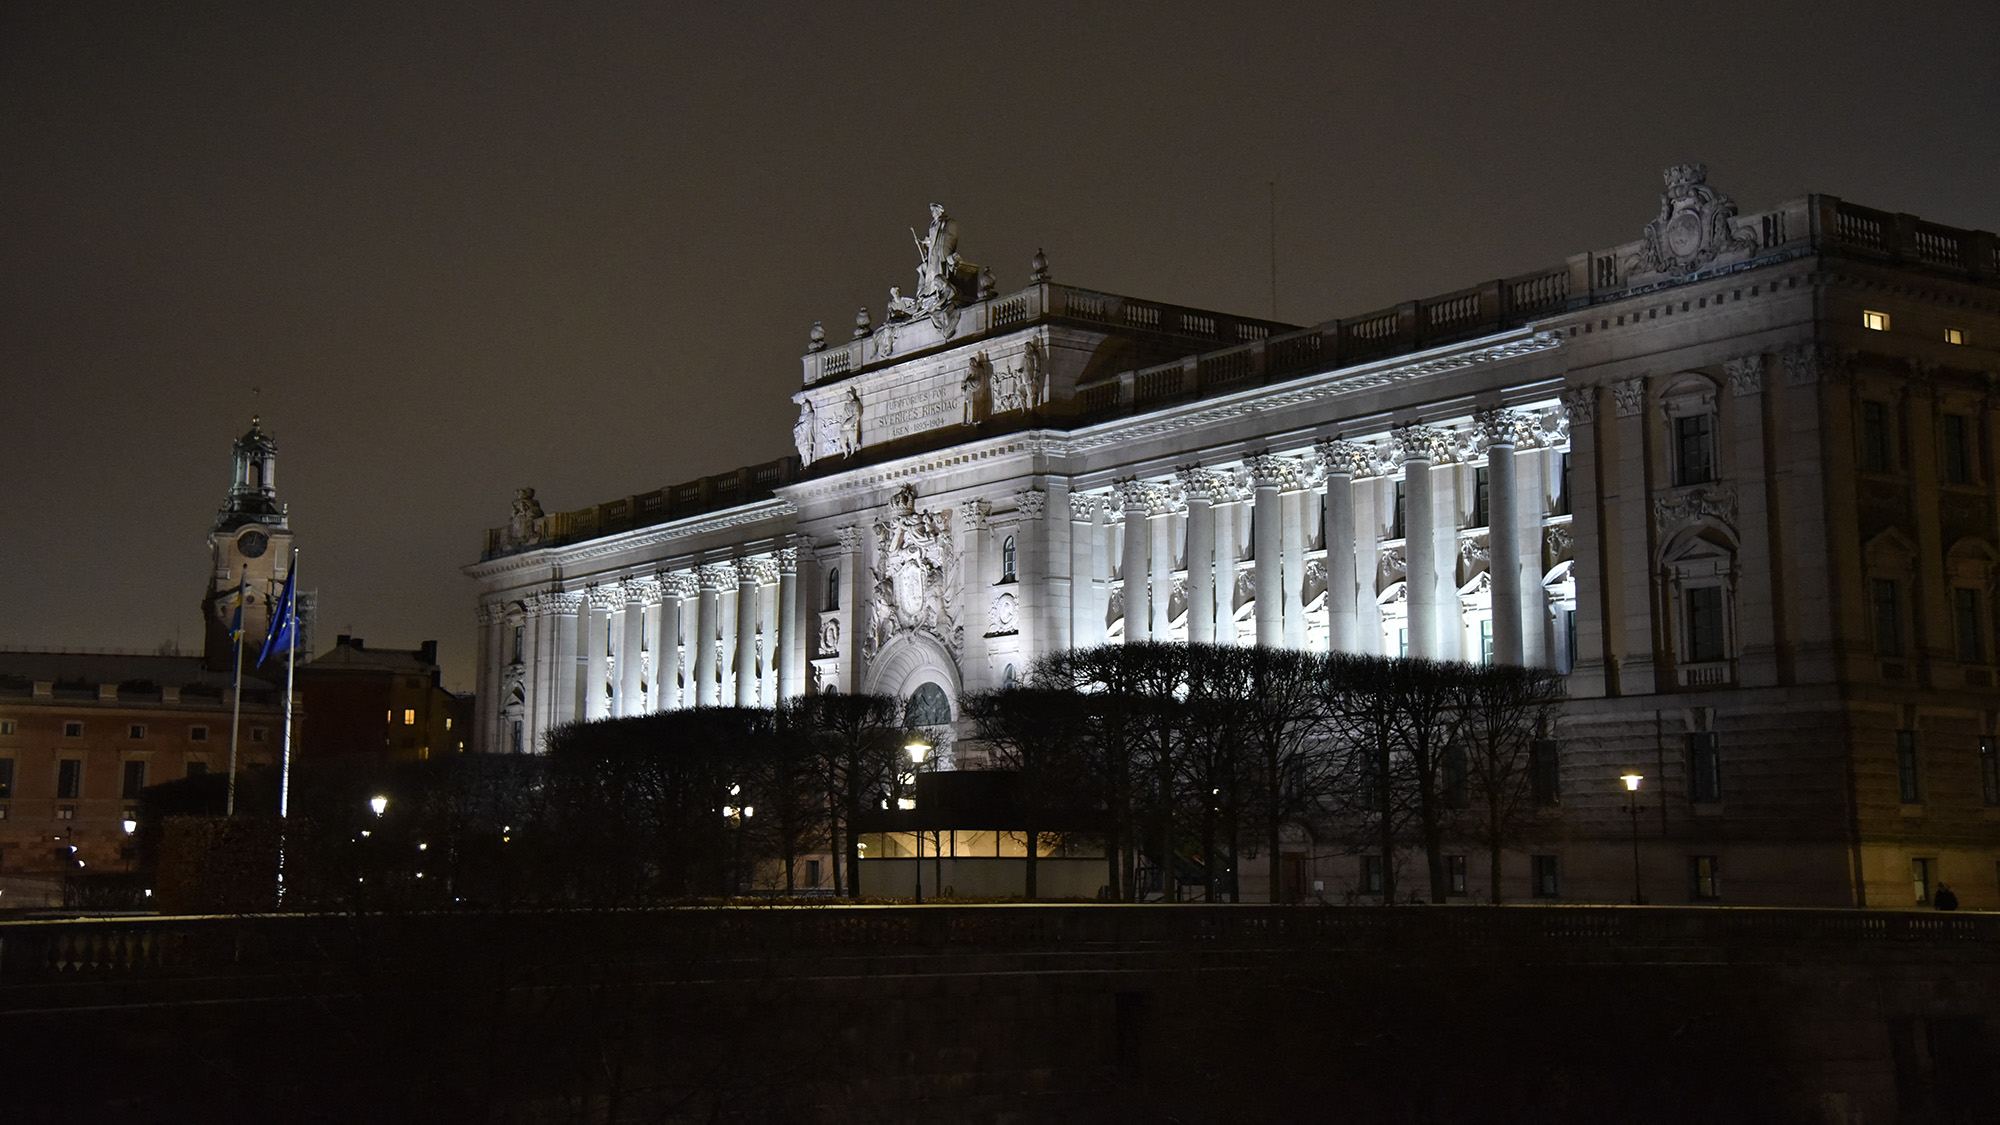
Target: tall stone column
[
  {"x": 789, "y": 658},
  {"x": 977, "y": 587},
  {"x": 1228, "y": 540},
  {"x": 1503, "y": 532},
  {"x": 1161, "y": 523},
  {"x": 1343, "y": 461},
  {"x": 632, "y": 650},
  {"x": 1200, "y": 485},
  {"x": 566, "y": 702},
  {"x": 1421, "y": 447},
  {"x": 707, "y": 690},
  {"x": 1132, "y": 574},
  {"x": 596, "y": 641},
  {"x": 1269, "y": 476},
  {"x": 675, "y": 589},
  {"x": 1086, "y": 615},
  {"x": 1292, "y": 550},
  {"x": 746, "y": 633}
]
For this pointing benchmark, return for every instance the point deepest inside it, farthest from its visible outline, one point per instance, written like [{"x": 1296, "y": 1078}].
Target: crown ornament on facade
[{"x": 1693, "y": 227}]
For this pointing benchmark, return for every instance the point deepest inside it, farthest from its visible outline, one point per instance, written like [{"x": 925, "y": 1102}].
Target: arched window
[
  {"x": 833, "y": 587},
  {"x": 1007, "y": 677},
  {"x": 1007, "y": 559},
  {"x": 927, "y": 707}
]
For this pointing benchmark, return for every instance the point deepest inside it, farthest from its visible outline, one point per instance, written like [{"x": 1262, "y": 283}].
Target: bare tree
[
  {"x": 1511, "y": 708},
  {"x": 856, "y": 745}
]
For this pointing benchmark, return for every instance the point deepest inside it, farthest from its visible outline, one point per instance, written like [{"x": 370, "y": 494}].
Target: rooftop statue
[{"x": 944, "y": 280}]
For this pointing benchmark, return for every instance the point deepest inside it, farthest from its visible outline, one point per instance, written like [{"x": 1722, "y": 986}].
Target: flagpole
[
  {"x": 236, "y": 701},
  {"x": 291, "y": 611}
]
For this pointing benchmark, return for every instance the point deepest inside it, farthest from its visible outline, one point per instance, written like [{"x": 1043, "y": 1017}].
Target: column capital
[
  {"x": 1580, "y": 403},
  {"x": 1145, "y": 496},
  {"x": 1341, "y": 458},
  {"x": 554, "y": 603},
  {"x": 639, "y": 591},
  {"x": 972, "y": 513},
  {"x": 1198, "y": 483},
  {"x": 1504, "y": 427},
  {"x": 1031, "y": 503},
  {"x": 677, "y": 584},
  {"x": 714, "y": 577},
  {"x": 1746, "y": 374},
  {"x": 762, "y": 571},
  {"x": 1629, "y": 396},
  {"x": 850, "y": 537},
  {"x": 787, "y": 559},
  {"x": 1418, "y": 442},
  {"x": 1813, "y": 363},
  {"x": 1082, "y": 507},
  {"x": 492, "y": 613},
  {"x": 604, "y": 595},
  {"x": 1268, "y": 470}
]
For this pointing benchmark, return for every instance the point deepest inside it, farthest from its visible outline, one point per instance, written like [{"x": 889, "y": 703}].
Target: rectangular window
[
  {"x": 1888, "y": 618},
  {"x": 197, "y": 734},
  {"x": 1482, "y": 500},
  {"x": 197, "y": 769},
  {"x": 1989, "y": 770},
  {"x": 1694, "y": 455},
  {"x": 1967, "y": 622},
  {"x": 136, "y": 730},
  {"x": 1922, "y": 871},
  {"x": 7, "y": 778},
  {"x": 447, "y": 722},
  {"x": 1544, "y": 773},
  {"x": 72, "y": 730},
  {"x": 1704, "y": 767},
  {"x": 1875, "y": 321},
  {"x": 1954, "y": 336},
  {"x": 1402, "y": 643},
  {"x": 1548, "y": 877},
  {"x": 1457, "y": 778},
  {"x": 1486, "y": 640},
  {"x": 1398, "y": 524},
  {"x": 1875, "y": 445},
  {"x": 1454, "y": 866},
  {"x": 6, "y": 726},
  {"x": 519, "y": 632},
  {"x": 69, "y": 778},
  {"x": 1566, "y": 659},
  {"x": 1371, "y": 874},
  {"x": 1704, "y": 625},
  {"x": 135, "y": 780},
  {"x": 409, "y": 717},
  {"x": 1702, "y": 871},
  {"x": 65, "y": 812},
  {"x": 1562, "y": 488},
  {"x": 812, "y": 873},
  {"x": 1956, "y": 431},
  {"x": 1906, "y": 768},
  {"x": 517, "y": 736}
]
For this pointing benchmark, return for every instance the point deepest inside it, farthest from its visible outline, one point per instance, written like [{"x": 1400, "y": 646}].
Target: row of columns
[
  {"x": 559, "y": 656},
  {"x": 1280, "y": 504}
]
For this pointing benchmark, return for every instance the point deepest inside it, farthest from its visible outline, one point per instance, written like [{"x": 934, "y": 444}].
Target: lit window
[
  {"x": 1954, "y": 336},
  {"x": 1703, "y": 872},
  {"x": 409, "y": 717},
  {"x": 1906, "y": 768},
  {"x": 447, "y": 722},
  {"x": 1875, "y": 321}
]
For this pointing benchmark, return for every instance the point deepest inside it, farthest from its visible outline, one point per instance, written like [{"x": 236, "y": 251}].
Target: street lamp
[
  {"x": 916, "y": 747},
  {"x": 378, "y": 804},
  {"x": 1632, "y": 781}
]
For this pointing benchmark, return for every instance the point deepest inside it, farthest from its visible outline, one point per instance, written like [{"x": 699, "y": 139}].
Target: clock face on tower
[{"x": 251, "y": 544}]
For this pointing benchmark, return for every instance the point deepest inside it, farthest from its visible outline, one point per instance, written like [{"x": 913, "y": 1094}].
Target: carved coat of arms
[
  {"x": 1693, "y": 226},
  {"x": 917, "y": 579}
]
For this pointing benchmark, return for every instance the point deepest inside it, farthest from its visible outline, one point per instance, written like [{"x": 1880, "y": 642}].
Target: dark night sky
[{"x": 469, "y": 247}]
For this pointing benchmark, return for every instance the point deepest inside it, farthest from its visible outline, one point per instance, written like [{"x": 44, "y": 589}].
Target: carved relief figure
[
  {"x": 805, "y": 433},
  {"x": 980, "y": 370},
  {"x": 849, "y": 441},
  {"x": 524, "y": 523},
  {"x": 917, "y": 579}
]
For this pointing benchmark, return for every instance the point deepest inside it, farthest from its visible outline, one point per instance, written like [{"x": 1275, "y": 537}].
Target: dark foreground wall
[{"x": 1007, "y": 1013}]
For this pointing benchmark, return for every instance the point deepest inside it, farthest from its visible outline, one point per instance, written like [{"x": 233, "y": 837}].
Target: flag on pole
[{"x": 284, "y": 621}]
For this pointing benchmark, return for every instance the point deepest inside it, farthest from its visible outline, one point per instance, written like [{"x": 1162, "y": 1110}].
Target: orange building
[{"x": 381, "y": 701}]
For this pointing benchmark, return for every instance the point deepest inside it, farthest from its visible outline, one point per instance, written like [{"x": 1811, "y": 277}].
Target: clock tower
[{"x": 252, "y": 543}]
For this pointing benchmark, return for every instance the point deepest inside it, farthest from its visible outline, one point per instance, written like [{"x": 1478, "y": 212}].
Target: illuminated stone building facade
[{"x": 1735, "y": 477}]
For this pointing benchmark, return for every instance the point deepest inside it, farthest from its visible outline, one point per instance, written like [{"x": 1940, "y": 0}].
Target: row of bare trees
[{"x": 1193, "y": 753}]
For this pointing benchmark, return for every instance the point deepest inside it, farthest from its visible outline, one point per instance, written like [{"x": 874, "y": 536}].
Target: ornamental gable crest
[
  {"x": 917, "y": 581},
  {"x": 1693, "y": 227}
]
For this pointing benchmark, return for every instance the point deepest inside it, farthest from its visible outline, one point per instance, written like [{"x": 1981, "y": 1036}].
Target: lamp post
[
  {"x": 916, "y": 747},
  {"x": 379, "y": 805},
  {"x": 734, "y": 816},
  {"x": 1632, "y": 781}
]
